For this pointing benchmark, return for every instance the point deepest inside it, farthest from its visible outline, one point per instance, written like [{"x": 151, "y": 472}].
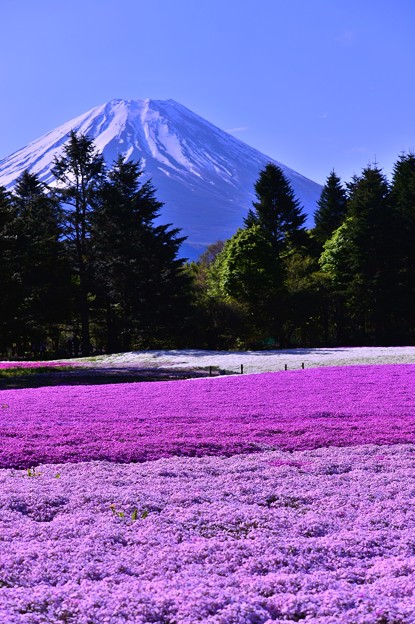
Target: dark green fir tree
[
  {"x": 139, "y": 276},
  {"x": 79, "y": 173},
  {"x": 403, "y": 233},
  {"x": 331, "y": 209},
  {"x": 8, "y": 284},
  {"x": 277, "y": 211},
  {"x": 41, "y": 268},
  {"x": 368, "y": 251}
]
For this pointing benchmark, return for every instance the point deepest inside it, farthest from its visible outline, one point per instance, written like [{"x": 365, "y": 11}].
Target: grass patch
[{"x": 12, "y": 373}]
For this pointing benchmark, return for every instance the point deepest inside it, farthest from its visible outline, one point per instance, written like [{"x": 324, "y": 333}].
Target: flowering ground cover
[
  {"x": 293, "y": 500},
  {"x": 291, "y": 410},
  {"x": 46, "y": 364},
  {"x": 257, "y": 361},
  {"x": 325, "y": 536}
]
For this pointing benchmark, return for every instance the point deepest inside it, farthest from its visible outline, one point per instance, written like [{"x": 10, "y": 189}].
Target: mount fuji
[{"x": 204, "y": 176}]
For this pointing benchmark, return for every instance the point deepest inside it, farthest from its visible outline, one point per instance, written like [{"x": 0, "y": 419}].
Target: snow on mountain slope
[{"x": 204, "y": 175}]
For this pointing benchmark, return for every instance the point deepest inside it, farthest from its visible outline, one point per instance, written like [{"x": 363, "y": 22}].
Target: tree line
[
  {"x": 350, "y": 280},
  {"x": 85, "y": 268}
]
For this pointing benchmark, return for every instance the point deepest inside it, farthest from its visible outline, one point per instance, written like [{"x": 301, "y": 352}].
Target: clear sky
[{"x": 316, "y": 84}]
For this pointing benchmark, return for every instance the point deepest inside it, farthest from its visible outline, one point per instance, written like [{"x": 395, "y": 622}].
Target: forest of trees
[
  {"x": 85, "y": 268},
  {"x": 348, "y": 281}
]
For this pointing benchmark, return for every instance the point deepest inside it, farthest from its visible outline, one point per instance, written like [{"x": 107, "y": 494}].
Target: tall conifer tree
[
  {"x": 135, "y": 261},
  {"x": 403, "y": 233},
  {"x": 368, "y": 256},
  {"x": 277, "y": 211},
  {"x": 79, "y": 173},
  {"x": 252, "y": 265},
  {"x": 41, "y": 268},
  {"x": 331, "y": 210},
  {"x": 8, "y": 285}
]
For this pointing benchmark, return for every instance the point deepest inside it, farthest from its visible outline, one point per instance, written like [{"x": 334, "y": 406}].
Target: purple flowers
[
  {"x": 293, "y": 500},
  {"x": 48, "y": 364},
  {"x": 308, "y": 409},
  {"x": 213, "y": 540}
]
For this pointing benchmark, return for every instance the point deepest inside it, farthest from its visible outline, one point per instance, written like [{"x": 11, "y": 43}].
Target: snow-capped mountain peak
[{"x": 204, "y": 175}]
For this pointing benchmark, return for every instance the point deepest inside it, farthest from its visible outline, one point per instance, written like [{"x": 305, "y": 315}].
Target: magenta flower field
[
  {"x": 308, "y": 409},
  {"x": 47, "y": 364},
  {"x": 278, "y": 497}
]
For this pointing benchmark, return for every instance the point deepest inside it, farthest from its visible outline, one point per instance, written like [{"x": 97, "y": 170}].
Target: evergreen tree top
[
  {"x": 277, "y": 211},
  {"x": 331, "y": 208},
  {"x": 403, "y": 185},
  {"x": 368, "y": 194},
  {"x": 80, "y": 168}
]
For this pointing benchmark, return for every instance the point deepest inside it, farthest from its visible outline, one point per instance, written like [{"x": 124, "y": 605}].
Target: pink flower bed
[
  {"x": 7, "y": 365},
  {"x": 342, "y": 406},
  {"x": 324, "y": 536},
  {"x": 312, "y": 526}
]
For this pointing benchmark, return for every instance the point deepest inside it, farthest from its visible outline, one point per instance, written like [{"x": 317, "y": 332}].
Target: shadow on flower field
[{"x": 95, "y": 376}]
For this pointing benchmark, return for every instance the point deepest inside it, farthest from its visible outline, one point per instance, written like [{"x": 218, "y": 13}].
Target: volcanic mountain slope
[{"x": 204, "y": 175}]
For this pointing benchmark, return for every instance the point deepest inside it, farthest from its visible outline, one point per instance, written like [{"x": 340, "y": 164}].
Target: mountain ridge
[{"x": 204, "y": 176}]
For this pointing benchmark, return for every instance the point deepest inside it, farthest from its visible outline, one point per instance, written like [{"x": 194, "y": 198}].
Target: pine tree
[
  {"x": 137, "y": 270},
  {"x": 403, "y": 234},
  {"x": 41, "y": 269},
  {"x": 277, "y": 211},
  {"x": 79, "y": 172},
  {"x": 8, "y": 286},
  {"x": 252, "y": 266},
  {"x": 367, "y": 253},
  {"x": 331, "y": 210}
]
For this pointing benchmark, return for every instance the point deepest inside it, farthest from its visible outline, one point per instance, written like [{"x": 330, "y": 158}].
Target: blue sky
[{"x": 316, "y": 84}]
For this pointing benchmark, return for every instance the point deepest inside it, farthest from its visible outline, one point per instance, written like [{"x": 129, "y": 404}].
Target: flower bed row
[
  {"x": 342, "y": 406},
  {"x": 326, "y": 536},
  {"x": 40, "y": 364}
]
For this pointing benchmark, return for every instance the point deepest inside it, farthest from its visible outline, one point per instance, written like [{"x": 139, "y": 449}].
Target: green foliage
[
  {"x": 9, "y": 286},
  {"x": 80, "y": 172},
  {"x": 12, "y": 373},
  {"x": 247, "y": 269},
  {"x": 251, "y": 269},
  {"x": 135, "y": 514},
  {"x": 337, "y": 256},
  {"x": 277, "y": 211},
  {"x": 32, "y": 472},
  {"x": 37, "y": 267},
  {"x": 88, "y": 262},
  {"x": 248, "y": 273},
  {"x": 117, "y": 514},
  {"x": 216, "y": 321},
  {"x": 358, "y": 259},
  {"x": 305, "y": 300},
  {"x": 403, "y": 235},
  {"x": 139, "y": 280},
  {"x": 370, "y": 251},
  {"x": 42, "y": 259},
  {"x": 331, "y": 209}
]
